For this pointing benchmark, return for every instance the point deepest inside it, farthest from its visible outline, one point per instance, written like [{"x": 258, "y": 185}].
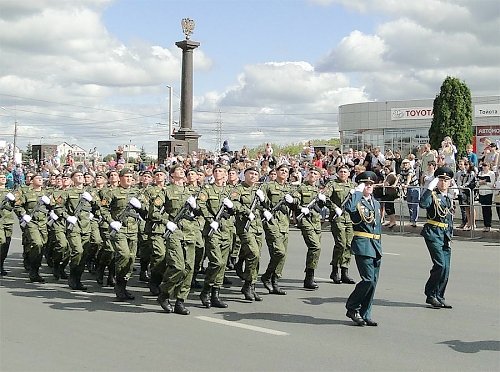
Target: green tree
[
  {"x": 28, "y": 154},
  {"x": 452, "y": 115}
]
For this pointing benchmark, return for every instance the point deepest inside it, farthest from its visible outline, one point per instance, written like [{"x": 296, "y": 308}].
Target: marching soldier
[
  {"x": 32, "y": 207},
  {"x": 438, "y": 232},
  {"x": 123, "y": 214},
  {"x": 233, "y": 180},
  {"x": 366, "y": 246},
  {"x": 217, "y": 210},
  {"x": 7, "y": 217},
  {"x": 75, "y": 207},
  {"x": 247, "y": 198},
  {"x": 338, "y": 190},
  {"x": 180, "y": 222},
  {"x": 143, "y": 243},
  {"x": 310, "y": 201},
  {"x": 276, "y": 229}
]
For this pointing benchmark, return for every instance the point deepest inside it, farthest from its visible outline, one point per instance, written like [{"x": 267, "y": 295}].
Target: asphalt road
[{"x": 48, "y": 327}]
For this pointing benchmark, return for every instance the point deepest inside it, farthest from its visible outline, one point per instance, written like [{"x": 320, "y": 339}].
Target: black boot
[
  {"x": 335, "y": 275},
  {"x": 344, "y": 276},
  {"x": 164, "y": 302},
  {"x": 144, "y": 276},
  {"x": 154, "y": 284},
  {"x": 3, "y": 272},
  {"x": 276, "y": 288},
  {"x": 111, "y": 282},
  {"x": 230, "y": 263},
  {"x": 227, "y": 281},
  {"x": 247, "y": 291},
  {"x": 254, "y": 294},
  {"x": 309, "y": 282},
  {"x": 238, "y": 266},
  {"x": 205, "y": 296},
  {"x": 120, "y": 289},
  {"x": 266, "y": 280},
  {"x": 100, "y": 274},
  {"x": 80, "y": 286},
  {"x": 72, "y": 280},
  {"x": 56, "y": 270},
  {"x": 215, "y": 299},
  {"x": 129, "y": 295},
  {"x": 35, "y": 276},
  {"x": 62, "y": 272},
  {"x": 179, "y": 307}
]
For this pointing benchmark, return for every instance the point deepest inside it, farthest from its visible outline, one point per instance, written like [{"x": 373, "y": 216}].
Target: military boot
[
  {"x": 276, "y": 288},
  {"x": 144, "y": 276},
  {"x": 100, "y": 274},
  {"x": 194, "y": 283},
  {"x": 56, "y": 270},
  {"x": 164, "y": 302},
  {"x": 335, "y": 275},
  {"x": 120, "y": 289},
  {"x": 247, "y": 291},
  {"x": 254, "y": 294},
  {"x": 111, "y": 282},
  {"x": 2, "y": 271},
  {"x": 35, "y": 276},
  {"x": 238, "y": 266},
  {"x": 309, "y": 282},
  {"x": 266, "y": 280},
  {"x": 154, "y": 284},
  {"x": 62, "y": 269},
  {"x": 129, "y": 295},
  {"x": 78, "y": 278},
  {"x": 344, "y": 276},
  {"x": 204, "y": 296},
  {"x": 179, "y": 307},
  {"x": 215, "y": 299},
  {"x": 72, "y": 280}
]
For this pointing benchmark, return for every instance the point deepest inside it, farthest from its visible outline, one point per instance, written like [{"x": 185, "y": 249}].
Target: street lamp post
[
  {"x": 15, "y": 135},
  {"x": 170, "y": 112}
]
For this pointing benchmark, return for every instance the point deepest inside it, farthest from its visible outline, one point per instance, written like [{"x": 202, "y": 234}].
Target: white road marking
[
  {"x": 391, "y": 254},
  {"x": 244, "y": 326}
]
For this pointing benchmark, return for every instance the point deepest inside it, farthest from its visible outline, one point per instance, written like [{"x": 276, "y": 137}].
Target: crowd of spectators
[{"x": 399, "y": 175}]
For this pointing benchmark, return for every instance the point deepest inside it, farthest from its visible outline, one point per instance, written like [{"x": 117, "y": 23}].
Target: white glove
[
  {"x": 10, "y": 196},
  {"x": 338, "y": 211},
  {"x": 53, "y": 216},
  {"x": 260, "y": 195},
  {"x": 87, "y": 196},
  {"x": 228, "y": 203},
  {"x": 251, "y": 216},
  {"x": 305, "y": 211},
  {"x": 322, "y": 197},
  {"x": 191, "y": 201},
  {"x": 26, "y": 218},
  {"x": 289, "y": 198},
  {"x": 360, "y": 187},
  {"x": 116, "y": 225},
  {"x": 268, "y": 215},
  {"x": 432, "y": 185},
  {"x": 214, "y": 225},
  {"x": 91, "y": 216},
  {"x": 45, "y": 200},
  {"x": 134, "y": 202},
  {"x": 171, "y": 226},
  {"x": 72, "y": 220}
]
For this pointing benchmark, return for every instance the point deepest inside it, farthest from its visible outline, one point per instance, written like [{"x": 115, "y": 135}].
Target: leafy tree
[
  {"x": 452, "y": 115},
  {"x": 28, "y": 154},
  {"x": 143, "y": 154}
]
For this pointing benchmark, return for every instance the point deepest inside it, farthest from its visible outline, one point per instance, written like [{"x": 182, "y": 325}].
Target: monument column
[{"x": 186, "y": 132}]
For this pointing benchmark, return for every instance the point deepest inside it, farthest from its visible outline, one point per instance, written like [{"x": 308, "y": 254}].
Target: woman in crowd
[{"x": 486, "y": 180}]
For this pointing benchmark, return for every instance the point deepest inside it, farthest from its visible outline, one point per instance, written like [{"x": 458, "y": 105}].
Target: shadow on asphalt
[
  {"x": 282, "y": 318},
  {"x": 377, "y": 302},
  {"x": 472, "y": 346}
]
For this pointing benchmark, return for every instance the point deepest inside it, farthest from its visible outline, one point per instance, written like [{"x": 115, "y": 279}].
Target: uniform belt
[
  {"x": 438, "y": 224},
  {"x": 366, "y": 235}
]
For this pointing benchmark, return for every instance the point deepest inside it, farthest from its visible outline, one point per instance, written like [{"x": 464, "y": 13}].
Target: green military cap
[
  {"x": 218, "y": 165},
  {"x": 192, "y": 169},
  {"x": 125, "y": 171},
  {"x": 76, "y": 172},
  {"x": 283, "y": 166},
  {"x": 101, "y": 174},
  {"x": 112, "y": 171},
  {"x": 66, "y": 175},
  {"x": 316, "y": 169},
  {"x": 146, "y": 172},
  {"x": 175, "y": 166},
  {"x": 252, "y": 168},
  {"x": 366, "y": 177},
  {"x": 160, "y": 170},
  {"x": 443, "y": 172}
]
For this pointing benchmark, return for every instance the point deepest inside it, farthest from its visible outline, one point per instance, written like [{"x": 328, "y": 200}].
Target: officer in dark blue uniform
[
  {"x": 366, "y": 246},
  {"x": 438, "y": 232}
]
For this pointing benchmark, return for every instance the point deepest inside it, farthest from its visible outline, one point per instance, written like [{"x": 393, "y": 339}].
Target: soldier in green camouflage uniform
[
  {"x": 243, "y": 196},
  {"x": 233, "y": 180},
  {"x": 7, "y": 217},
  {"x": 95, "y": 235},
  {"x": 338, "y": 191},
  {"x": 215, "y": 204},
  {"x": 193, "y": 186},
  {"x": 310, "y": 223},
  {"x": 180, "y": 243},
  {"x": 143, "y": 243},
  {"x": 76, "y": 206},
  {"x": 123, "y": 216},
  {"x": 276, "y": 229},
  {"x": 32, "y": 206}
]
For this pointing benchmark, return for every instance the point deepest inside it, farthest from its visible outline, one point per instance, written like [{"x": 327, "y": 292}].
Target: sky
[{"x": 95, "y": 72}]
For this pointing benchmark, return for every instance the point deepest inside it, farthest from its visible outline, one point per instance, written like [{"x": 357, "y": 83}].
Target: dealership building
[{"x": 404, "y": 125}]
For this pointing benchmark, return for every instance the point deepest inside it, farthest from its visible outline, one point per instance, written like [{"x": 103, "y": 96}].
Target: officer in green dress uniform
[
  {"x": 249, "y": 229},
  {"x": 7, "y": 217},
  {"x": 366, "y": 246},
  {"x": 180, "y": 221},
  {"x": 337, "y": 191},
  {"x": 217, "y": 210},
  {"x": 310, "y": 200},
  {"x": 276, "y": 228},
  {"x": 32, "y": 207},
  {"x": 438, "y": 232}
]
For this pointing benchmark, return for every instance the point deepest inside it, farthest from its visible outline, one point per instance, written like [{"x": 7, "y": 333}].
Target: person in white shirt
[{"x": 486, "y": 181}]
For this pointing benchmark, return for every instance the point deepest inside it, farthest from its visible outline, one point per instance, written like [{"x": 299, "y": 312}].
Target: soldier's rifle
[
  {"x": 7, "y": 200},
  {"x": 129, "y": 211},
  {"x": 79, "y": 208},
  {"x": 253, "y": 206},
  {"x": 218, "y": 217},
  {"x": 38, "y": 208},
  {"x": 186, "y": 208},
  {"x": 310, "y": 205}
]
